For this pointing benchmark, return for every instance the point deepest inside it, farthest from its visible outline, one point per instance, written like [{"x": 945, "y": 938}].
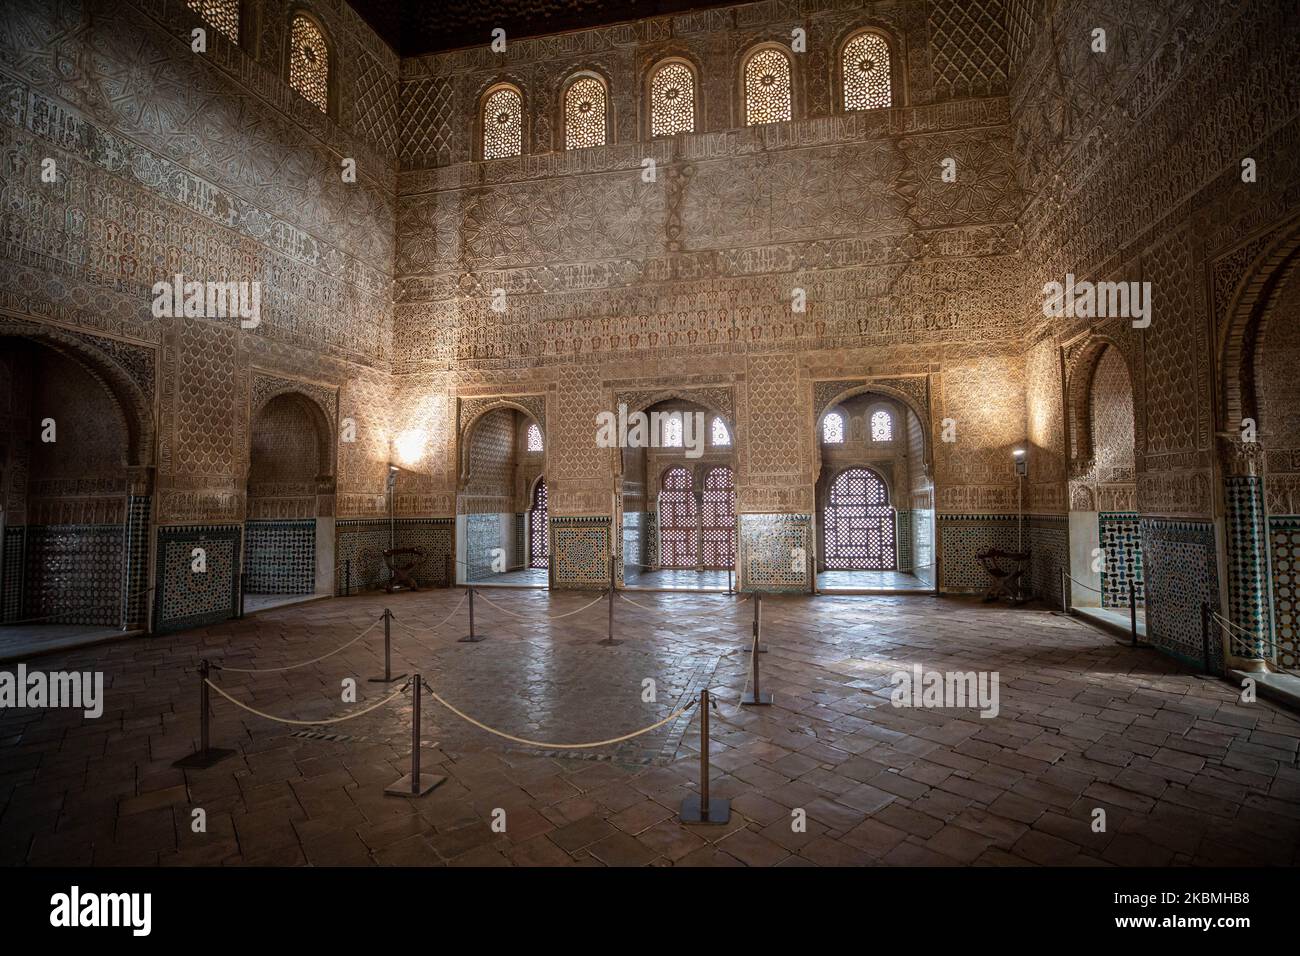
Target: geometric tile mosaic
[
  {"x": 1247, "y": 556},
  {"x": 776, "y": 552},
  {"x": 135, "y": 579},
  {"x": 280, "y": 557},
  {"x": 360, "y": 544},
  {"x": 961, "y": 537},
  {"x": 1047, "y": 538},
  {"x": 1284, "y": 546},
  {"x": 185, "y": 597},
  {"x": 11, "y": 573},
  {"x": 1121, "y": 542},
  {"x": 1181, "y": 575},
  {"x": 75, "y": 569},
  {"x": 580, "y": 552}
]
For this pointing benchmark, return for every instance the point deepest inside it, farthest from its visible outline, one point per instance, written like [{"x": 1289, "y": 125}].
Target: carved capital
[{"x": 1241, "y": 458}]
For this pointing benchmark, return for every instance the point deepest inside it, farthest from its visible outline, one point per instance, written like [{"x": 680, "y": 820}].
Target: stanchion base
[
  {"x": 609, "y": 642},
  {"x": 470, "y": 639},
  {"x": 762, "y": 700},
  {"x": 402, "y": 788},
  {"x": 384, "y": 680},
  {"x": 762, "y": 649},
  {"x": 202, "y": 759},
  {"x": 719, "y": 811}
]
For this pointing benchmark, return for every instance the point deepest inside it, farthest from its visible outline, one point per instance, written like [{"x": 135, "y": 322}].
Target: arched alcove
[
  {"x": 288, "y": 528},
  {"x": 678, "y": 478},
  {"x": 502, "y": 522},
  {"x": 865, "y": 437},
  {"x": 74, "y": 523}
]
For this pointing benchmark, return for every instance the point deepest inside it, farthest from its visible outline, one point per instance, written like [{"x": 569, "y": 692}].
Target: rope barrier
[
  {"x": 1080, "y": 583},
  {"x": 310, "y": 723},
  {"x": 407, "y": 627},
  {"x": 551, "y": 746},
  {"x": 547, "y": 617},
  {"x": 289, "y": 667},
  {"x": 85, "y": 607},
  {"x": 645, "y": 607}
]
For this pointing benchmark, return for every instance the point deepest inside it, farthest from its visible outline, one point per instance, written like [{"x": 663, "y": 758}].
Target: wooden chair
[
  {"x": 401, "y": 576},
  {"x": 1004, "y": 581}
]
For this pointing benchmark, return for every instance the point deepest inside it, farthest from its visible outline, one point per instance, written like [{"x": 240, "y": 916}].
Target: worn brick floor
[{"x": 1185, "y": 773}]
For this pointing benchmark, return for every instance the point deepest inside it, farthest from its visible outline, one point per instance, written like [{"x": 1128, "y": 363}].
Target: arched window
[
  {"x": 672, "y": 431},
  {"x": 678, "y": 529},
  {"x": 309, "y": 62},
  {"x": 534, "y": 437},
  {"x": 859, "y": 523},
  {"x": 720, "y": 434},
  {"x": 865, "y": 72},
  {"x": 718, "y": 519},
  {"x": 833, "y": 429},
  {"x": 768, "y": 94},
  {"x": 882, "y": 426},
  {"x": 503, "y": 123},
  {"x": 221, "y": 15},
  {"x": 539, "y": 547},
  {"x": 672, "y": 99},
  {"x": 585, "y": 113}
]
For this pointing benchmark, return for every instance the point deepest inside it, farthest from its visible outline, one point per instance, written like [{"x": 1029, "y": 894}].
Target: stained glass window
[
  {"x": 309, "y": 62},
  {"x": 534, "y": 437},
  {"x": 672, "y": 100},
  {"x": 720, "y": 434},
  {"x": 882, "y": 426},
  {"x": 539, "y": 542},
  {"x": 672, "y": 431},
  {"x": 864, "y": 69},
  {"x": 859, "y": 523},
  {"x": 221, "y": 15},
  {"x": 503, "y": 124},
  {"x": 767, "y": 88},
  {"x": 584, "y": 113},
  {"x": 833, "y": 429}
]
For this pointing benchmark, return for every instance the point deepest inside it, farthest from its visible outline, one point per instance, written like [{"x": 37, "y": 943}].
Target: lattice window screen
[
  {"x": 309, "y": 62},
  {"x": 864, "y": 70},
  {"x": 768, "y": 98},
  {"x": 678, "y": 525},
  {"x": 859, "y": 532},
  {"x": 672, "y": 100}
]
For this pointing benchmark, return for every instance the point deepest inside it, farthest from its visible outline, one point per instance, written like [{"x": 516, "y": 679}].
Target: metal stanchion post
[
  {"x": 756, "y": 697},
  {"x": 1205, "y": 635},
  {"x": 347, "y": 578},
  {"x": 758, "y": 644},
  {"x": 1132, "y": 612},
  {"x": 206, "y": 755},
  {"x": 729, "y": 588},
  {"x": 389, "y": 676},
  {"x": 471, "y": 638},
  {"x": 609, "y": 637},
  {"x": 451, "y": 571},
  {"x": 243, "y": 586},
  {"x": 415, "y": 783},
  {"x": 701, "y": 809},
  {"x": 1065, "y": 592}
]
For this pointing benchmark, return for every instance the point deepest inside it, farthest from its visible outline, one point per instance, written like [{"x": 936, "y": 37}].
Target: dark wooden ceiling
[{"x": 412, "y": 27}]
